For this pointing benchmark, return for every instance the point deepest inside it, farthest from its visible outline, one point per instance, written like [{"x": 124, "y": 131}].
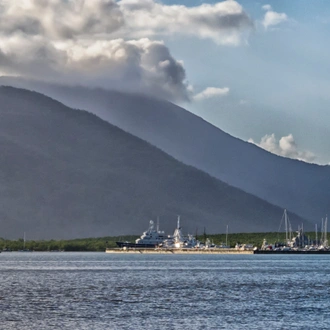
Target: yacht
[
  {"x": 151, "y": 238},
  {"x": 179, "y": 241}
]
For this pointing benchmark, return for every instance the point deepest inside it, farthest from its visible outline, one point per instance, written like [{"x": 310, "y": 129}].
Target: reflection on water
[{"x": 104, "y": 291}]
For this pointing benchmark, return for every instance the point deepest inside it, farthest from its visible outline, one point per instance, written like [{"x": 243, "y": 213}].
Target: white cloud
[
  {"x": 272, "y": 18},
  {"x": 285, "y": 147},
  {"x": 58, "y": 19},
  {"x": 134, "y": 65},
  {"x": 267, "y": 7},
  {"x": 223, "y": 22},
  {"x": 109, "y": 43},
  {"x": 211, "y": 92}
]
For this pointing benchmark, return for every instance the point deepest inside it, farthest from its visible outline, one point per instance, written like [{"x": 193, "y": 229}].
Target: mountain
[
  {"x": 67, "y": 173},
  {"x": 298, "y": 186}
]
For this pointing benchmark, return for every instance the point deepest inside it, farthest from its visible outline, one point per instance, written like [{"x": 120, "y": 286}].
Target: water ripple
[{"x": 100, "y": 291}]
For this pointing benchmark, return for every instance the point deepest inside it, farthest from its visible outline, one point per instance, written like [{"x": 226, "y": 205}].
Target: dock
[
  {"x": 292, "y": 252},
  {"x": 178, "y": 251}
]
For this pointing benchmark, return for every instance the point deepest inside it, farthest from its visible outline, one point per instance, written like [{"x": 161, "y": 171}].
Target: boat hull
[
  {"x": 292, "y": 252},
  {"x": 135, "y": 245}
]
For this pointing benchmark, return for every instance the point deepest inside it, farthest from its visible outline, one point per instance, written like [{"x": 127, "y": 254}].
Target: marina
[{"x": 154, "y": 241}]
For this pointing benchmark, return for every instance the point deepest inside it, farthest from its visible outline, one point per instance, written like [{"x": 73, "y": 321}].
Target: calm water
[{"x": 104, "y": 291}]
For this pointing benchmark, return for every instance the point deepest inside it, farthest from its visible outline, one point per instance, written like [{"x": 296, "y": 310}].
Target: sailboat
[
  {"x": 24, "y": 242},
  {"x": 225, "y": 246}
]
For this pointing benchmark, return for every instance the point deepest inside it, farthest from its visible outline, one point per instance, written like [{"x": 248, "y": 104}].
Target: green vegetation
[
  {"x": 101, "y": 243},
  {"x": 252, "y": 238},
  {"x": 83, "y": 244}
]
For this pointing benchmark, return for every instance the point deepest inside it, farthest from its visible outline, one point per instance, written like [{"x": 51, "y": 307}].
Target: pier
[{"x": 179, "y": 251}]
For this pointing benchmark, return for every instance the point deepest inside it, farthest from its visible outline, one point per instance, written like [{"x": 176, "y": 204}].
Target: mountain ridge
[
  {"x": 67, "y": 173},
  {"x": 299, "y": 186}
]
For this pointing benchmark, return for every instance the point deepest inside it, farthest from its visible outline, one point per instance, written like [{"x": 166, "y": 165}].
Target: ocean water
[{"x": 104, "y": 291}]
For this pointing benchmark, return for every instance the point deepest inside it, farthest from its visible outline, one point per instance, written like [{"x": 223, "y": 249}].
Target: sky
[{"x": 259, "y": 70}]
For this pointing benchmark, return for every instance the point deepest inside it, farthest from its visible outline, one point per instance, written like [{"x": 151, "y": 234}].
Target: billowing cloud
[
  {"x": 211, "y": 92},
  {"x": 285, "y": 147},
  {"x": 272, "y": 18},
  {"x": 60, "y": 19},
  {"x": 108, "y": 43},
  {"x": 134, "y": 65},
  {"x": 223, "y": 22}
]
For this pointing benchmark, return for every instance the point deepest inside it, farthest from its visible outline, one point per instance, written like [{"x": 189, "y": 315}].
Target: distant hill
[
  {"x": 66, "y": 173},
  {"x": 292, "y": 184}
]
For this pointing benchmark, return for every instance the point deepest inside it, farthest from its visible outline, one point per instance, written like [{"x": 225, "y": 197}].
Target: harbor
[
  {"x": 299, "y": 243},
  {"x": 154, "y": 241}
]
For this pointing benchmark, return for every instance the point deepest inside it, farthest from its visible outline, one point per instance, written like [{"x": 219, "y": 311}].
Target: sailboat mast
[
  {"x": 316, "y": 234},
  {"x": 286, "y": 226},
  {"x": 290, "y": 231},
  {"x": 326, "y": 230},
  {"x": 322, "y": 231},
  {"x": 227, "y": 236}
]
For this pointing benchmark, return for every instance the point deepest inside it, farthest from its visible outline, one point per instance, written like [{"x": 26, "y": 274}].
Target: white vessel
[
  {"x": 179, "y": 241},
  {"x": 149, "y": 239}
]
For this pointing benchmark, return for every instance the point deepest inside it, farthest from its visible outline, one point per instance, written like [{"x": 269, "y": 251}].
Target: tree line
[{"x": 101, "y": 243}]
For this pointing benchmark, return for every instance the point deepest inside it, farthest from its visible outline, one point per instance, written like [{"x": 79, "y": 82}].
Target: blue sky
[
  {"x": 279, "y": 81},
  {"x": 258, "y": 70}
]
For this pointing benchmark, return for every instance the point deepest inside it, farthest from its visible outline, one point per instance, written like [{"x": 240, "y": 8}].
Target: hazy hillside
[
  {"x": 289, "y": 183},
  {"x": 66, "y": 173}
]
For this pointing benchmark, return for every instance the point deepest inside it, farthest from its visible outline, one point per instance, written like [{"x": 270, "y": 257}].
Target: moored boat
[{"x": 151, "y": 238}]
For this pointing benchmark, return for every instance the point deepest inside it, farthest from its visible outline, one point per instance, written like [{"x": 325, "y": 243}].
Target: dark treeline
[
  {"x": 83, "y": 244},
  {"x": 101, "y": 243}
]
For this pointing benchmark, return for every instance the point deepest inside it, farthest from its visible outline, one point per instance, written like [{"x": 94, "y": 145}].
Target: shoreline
[{"x": 207, "y": 251}]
